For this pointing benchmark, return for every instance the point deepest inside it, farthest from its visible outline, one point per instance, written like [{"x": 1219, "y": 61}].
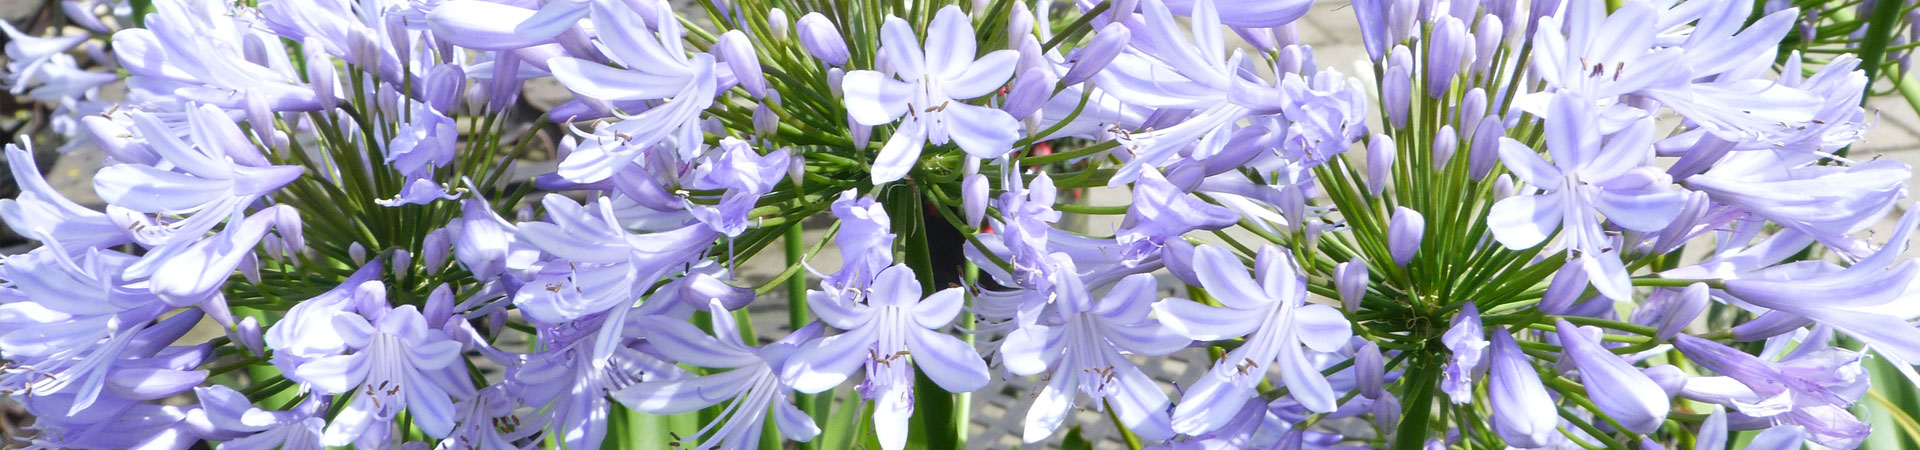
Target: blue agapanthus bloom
[{"x": 1542, "y": 224}]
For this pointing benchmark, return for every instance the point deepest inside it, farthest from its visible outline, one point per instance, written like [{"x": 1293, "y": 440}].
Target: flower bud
[
  {"x": 1568, "y": 285},
  {"x": 320, "y": 73},
  {"x": 247, "y": 333},
  {"x": 862, "y": 134},
  {"x": 1099, "y": 52},
  {"x": 1019, "y": 23},
  {"x": 1670, "y": 378},
  {"x": 1369, "y": 371},
  {"x": 439, "y": 306},
  {"x": 402, "y": 261},
  {"x": 444, "y": 84},
  {"x": 796, "y": 169},
  {"x": 1444, "y": 52},
  {"x": 1372, "y": 15},
  {"x": 358, "y": 253},
  {"x": 1445, "y": 141},
  {"x": 1488, "y": 43},
  {"x": 1404, "y": 233},
  {"x": 973, "y": 196},
  {"x": 1473, "y": 105},
  {"x": 1295, "y": 59},
  {"x": 1350, "y": 279},
  {"x": 1029, "y": 92},
  {"x": 1380, "y": 154},
  {"x": 737, "y": 51},
  {"x": 250, "y": 267},
  {"x": 765, "y": 122},
  {"x": 1523, "y": 413},
  {"x": 777, "y": 23},
  {"x": 1386, "y": 411},
  {"x": 1396, "y": 87},
  {"x": 434, "y": 250},
  {"x": 1486, "y": 146},
  {"x": 1670, "y": 310},
  {"x": 1620, "y": 390},
  {"x": 834, "y": 77},
  {"x": 822, "y": 40}
]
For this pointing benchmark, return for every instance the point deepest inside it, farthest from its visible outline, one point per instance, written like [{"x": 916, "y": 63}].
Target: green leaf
[{"x": 1074, "y": 441}]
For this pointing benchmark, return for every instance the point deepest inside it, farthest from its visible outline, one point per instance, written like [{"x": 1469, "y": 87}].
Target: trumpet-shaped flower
[
  {"x": 1273, "y": 314},
  {"x": 752, "y": 388},
  {"x": 389, "y": 368},
  {"x": 889, "y": 332},
  {"x": 1585, "y": 181},
  {"x": 929, "y": 85},
  {"x": 1083, "y": 350}
]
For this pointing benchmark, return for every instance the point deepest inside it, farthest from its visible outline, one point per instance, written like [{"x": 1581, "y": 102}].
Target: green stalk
[
  {"x": 1419, "y": 384},
  {"x": 797, "y": 313}
]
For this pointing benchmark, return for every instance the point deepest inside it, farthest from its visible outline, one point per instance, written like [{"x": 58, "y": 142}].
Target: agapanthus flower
[
  {"x": 658, "y": 67},
  {"x": 1082, "y": 349},
  {"x": 753, "y": 389},
  {"x": 1272, "y": 312},
  {"x": 1811, "y": 388},
  {"x": 890, "y": 331},
  {"x": 1585, "y": 181},
  {"x": 390, "y": 366},
  {"x": 929, "y": 85}
]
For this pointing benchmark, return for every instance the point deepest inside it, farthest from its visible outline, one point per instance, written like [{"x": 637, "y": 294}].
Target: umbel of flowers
[{"x": 1520, "y": 224}]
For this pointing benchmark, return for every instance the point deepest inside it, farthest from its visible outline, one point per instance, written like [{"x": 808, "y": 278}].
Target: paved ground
[{"x": 998, "y": 409}]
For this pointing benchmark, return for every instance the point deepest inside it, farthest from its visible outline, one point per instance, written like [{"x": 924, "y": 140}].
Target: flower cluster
[{"x": 1552, "y": 224}]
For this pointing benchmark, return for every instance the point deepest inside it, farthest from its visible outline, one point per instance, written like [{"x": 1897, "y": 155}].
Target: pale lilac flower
[
  {"x": 390, "y": 367},
  {"x": 657, "y": 67},
  {"x": 889, "y": 331},
  {"x": 752, "y": 389},
  {"x": 196, "y": 50},
  {"x": 27, "y": 55},
  {"x": 80, "y": 329},
  {"x": 1585, "y": 181},
  {"x": 1828, "y": 202},
  {"x": 930, "y": 89},
  {"x": 1620, "y": 390},
  {"x": 1467, "y": 342},
  {"x": 42, "y": 213},
  {"x": 420, "y": 191},
  {"x": 571, "y": 385},
  {"x": 1275, "y": 317},
  {"x": 1083, "y": 348},
  {"x": 240, "y": 425},
  {"x": 1195, "y": 75},
  {"x": 1811, "y": 389},
  {"x": 744, "y": 174},
  {"x": 1162, "y": 211},
  {"x": 1857, "y": 299}
]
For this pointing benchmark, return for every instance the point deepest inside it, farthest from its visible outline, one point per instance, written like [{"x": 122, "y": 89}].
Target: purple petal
[
  {"x": 950, "y": 362},
  {"x": 950, "y": 46},
  {"x": 1321, "y": 327},
  {"x": 902, "y": 49},
  {"x": 822, "y": 364},
  {"x": 686, "y": 394},
  {"x": 1206, "y": 323},
  {"x": 983, "y": 132}
]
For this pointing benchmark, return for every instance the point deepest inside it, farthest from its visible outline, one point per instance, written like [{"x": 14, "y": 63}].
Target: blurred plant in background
[{"x": 1522, "y": 224}]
